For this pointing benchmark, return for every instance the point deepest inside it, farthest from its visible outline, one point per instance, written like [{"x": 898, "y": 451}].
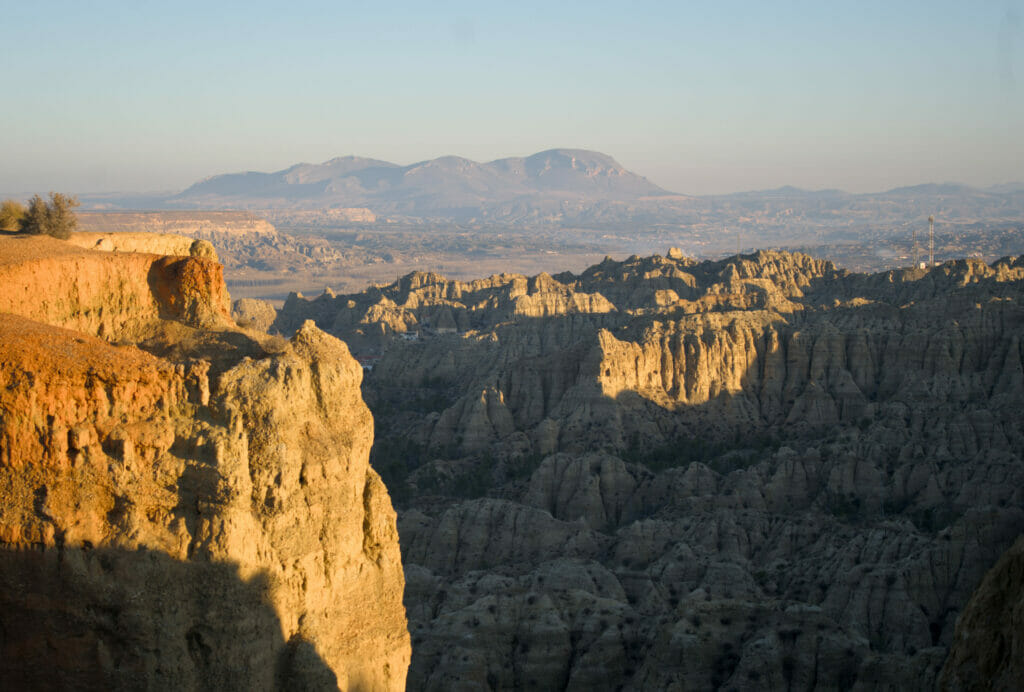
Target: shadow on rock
[{"x": 91, "y": 619}]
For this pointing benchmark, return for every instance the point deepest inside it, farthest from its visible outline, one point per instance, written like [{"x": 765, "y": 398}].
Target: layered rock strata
[
  {"x": 116, "y": 296},
  {"x": 190, "y": 507},
  {"x": 151, "y": 243}
]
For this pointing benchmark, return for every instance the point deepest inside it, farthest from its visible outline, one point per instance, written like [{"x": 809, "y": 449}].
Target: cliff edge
[{"x": 183, "y": 504}]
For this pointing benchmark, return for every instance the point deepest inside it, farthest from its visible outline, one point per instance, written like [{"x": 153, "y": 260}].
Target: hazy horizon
[
  {"x": 174, "y": 190},
  {"x": 703, "y": 99}
]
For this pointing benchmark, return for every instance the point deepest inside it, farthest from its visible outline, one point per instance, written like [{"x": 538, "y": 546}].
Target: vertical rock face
[
  {"x": 988, "y": 647},
  {"x": 119, "y": 297},
  {"x": 199, "y": 516}
]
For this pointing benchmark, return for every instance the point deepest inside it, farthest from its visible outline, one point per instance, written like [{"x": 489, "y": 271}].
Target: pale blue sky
[{"x": 700, "y": 97}]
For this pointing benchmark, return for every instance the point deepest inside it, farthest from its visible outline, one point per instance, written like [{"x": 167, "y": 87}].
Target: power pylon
[{"x": 931, "y": 241}]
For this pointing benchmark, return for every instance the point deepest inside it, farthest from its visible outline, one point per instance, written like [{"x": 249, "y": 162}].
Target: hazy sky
[{"x": 699, "y": 97}]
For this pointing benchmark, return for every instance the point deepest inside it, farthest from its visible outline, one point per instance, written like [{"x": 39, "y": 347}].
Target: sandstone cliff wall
[
  {"x": 172, "y": 520},
  {"x": 114, "y": 296},
  {"x": 151, "y": 243}
]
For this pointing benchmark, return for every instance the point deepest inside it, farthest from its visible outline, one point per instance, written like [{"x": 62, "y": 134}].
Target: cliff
[
  {"x": 118, "y": 297},
  {"x": 185, "y": 504},
  {"x": 150, "y": 243}
]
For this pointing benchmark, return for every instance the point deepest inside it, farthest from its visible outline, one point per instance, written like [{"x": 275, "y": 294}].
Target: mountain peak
[{"x": 577, "y": 156}]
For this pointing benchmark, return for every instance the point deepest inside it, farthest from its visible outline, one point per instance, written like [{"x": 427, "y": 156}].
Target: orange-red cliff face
[
  {"x": 117, "y": 296},
  {"x": 199, "y": 514},
  {"x": 66, "y": 391}
]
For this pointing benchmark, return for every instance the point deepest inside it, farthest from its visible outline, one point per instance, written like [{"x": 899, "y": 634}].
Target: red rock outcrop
[{"x": 119, "y": 297}]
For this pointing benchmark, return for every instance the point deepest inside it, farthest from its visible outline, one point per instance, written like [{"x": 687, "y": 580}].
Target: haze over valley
[{"x": 350, "y": 222}]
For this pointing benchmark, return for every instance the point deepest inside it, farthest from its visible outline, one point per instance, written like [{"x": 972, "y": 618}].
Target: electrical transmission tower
[{"x": 931, "y": 241}]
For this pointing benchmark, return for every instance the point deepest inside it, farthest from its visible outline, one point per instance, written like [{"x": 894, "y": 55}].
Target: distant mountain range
[
  {"x": 561, "y": 187},
  {"x": 449, "y": 186}
]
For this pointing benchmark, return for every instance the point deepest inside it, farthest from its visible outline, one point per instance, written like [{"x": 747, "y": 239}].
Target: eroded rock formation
[
  {"x": 988, "y": 646},
  {"x": 756, "y": 473},
  {"x": 150, "y": 243},
  {"x": 183, "y": 504},
  {"x": 252, "y": 313}
]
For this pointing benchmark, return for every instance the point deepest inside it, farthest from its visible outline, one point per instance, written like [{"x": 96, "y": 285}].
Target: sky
[{"x": 700, "y": 97}]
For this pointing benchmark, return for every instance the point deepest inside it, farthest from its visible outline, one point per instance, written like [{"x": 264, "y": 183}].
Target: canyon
[{"x": 762, "y": 472}]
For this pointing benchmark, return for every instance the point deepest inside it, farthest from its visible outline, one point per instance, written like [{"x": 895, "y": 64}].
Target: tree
[
  {"x": 11, "y": 215},
  {"x": 56, "y": 217}
]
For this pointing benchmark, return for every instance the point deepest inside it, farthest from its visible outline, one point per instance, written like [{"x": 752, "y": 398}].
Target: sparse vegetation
[
  {"x": 55, "y": 217},
  {"x": 12, "y": 213}
]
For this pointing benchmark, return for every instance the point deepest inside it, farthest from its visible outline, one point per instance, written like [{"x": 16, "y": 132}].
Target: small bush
[
  {"x": 54, "y": 218},
  {"x": 12, "y": 213}
]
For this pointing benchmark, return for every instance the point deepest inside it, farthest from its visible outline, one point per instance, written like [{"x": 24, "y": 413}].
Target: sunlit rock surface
[{"x": 183, "y": 504}]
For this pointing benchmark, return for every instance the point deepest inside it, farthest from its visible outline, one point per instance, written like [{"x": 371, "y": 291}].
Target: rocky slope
[
  {"x": 756, "y": 473},
  {"x": 185, "y": 505},
  {"x": 988, "y": 647}
]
